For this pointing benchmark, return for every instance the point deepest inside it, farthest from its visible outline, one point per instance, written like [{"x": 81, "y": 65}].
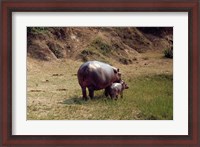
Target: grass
[
  {"x": 153, "y": 96},
  {"x": 53, "y": 93}
]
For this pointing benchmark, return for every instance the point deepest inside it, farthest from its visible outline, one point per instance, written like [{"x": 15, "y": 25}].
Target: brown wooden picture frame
[{"x": 9, "y": 6}]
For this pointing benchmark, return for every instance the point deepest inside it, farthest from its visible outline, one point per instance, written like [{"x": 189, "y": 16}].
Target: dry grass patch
[{"x": 53, "y": 92}]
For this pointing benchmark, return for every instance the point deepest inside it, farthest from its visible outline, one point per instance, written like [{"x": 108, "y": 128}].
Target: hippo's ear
[{"x": 116, "y": 70}]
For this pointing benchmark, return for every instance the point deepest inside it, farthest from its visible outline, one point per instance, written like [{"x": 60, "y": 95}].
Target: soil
[{"x": 122, "y": 44}]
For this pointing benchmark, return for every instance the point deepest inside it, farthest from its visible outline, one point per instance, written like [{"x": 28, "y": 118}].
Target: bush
[
  {"x": 56, "y": 49},
  {"x": 88, "y": 54},
  {"x": 102, "y": 46},
  {"x": 36, "y": 30},
  {"x": 125, "y": 61},
  {"x": 168, "y": 53},
  {"x": 84, "y": 55}
]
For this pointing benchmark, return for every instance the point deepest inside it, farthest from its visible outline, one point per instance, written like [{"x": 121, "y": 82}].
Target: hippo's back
[{"x": 95, "y": 74}]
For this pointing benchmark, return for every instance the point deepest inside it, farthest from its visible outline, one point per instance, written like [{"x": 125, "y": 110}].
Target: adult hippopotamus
[{"x": 96, "y": 75}]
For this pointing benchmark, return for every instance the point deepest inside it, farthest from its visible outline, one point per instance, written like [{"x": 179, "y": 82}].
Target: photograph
[{"x": 99, "y": 73}]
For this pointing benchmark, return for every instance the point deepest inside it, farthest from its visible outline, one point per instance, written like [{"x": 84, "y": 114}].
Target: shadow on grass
[
  {"x": 78, "y": 100},
  {"x": 74, "y": 100}
]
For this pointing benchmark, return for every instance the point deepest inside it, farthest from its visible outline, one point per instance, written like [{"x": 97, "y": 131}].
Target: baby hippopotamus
[{"x": 117, "y": 88}]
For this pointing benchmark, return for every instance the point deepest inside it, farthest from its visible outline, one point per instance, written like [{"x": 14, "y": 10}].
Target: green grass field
[{"x": 53, "y": 92}]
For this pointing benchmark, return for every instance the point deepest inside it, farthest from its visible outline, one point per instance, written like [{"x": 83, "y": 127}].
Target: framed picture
[{"x": 99, "y": 73}]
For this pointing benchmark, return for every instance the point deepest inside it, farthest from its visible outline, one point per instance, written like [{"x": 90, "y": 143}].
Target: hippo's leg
[
  {"x": 84, "y": 93},
  {"x": 122, "y": 95},
  {"x": 113, "y": 96},
  {"x": 91, "y": 92},
  {"x": 106, "y": 92}
]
